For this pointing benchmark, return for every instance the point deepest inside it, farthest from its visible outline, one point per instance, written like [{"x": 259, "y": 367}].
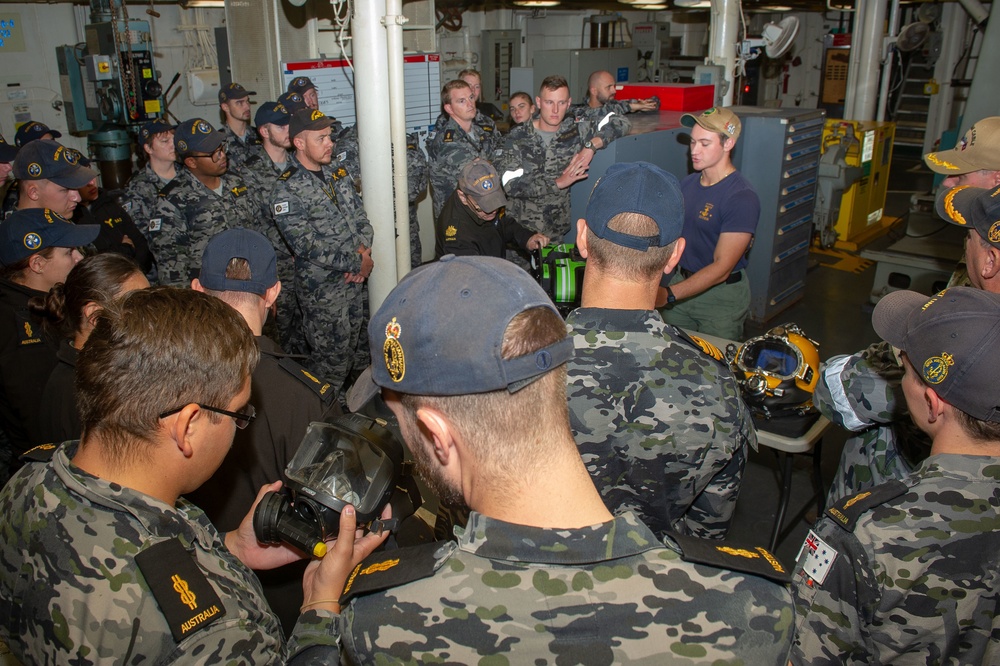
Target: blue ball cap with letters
[
  {"x": 440, "y": 332},
  {"x": 152, "y": 128},
  {"x": 273, "y": 113},
  {"x": 33, "y": 131},
  {"x": 48, "y": 160},
  {"x": 636, "y": 187},
  {"x": 32, "y": 230},
  {"x": 243, "y": 244},
  {"x": 231, "y": 91},
  {"x": 951, "y": 340},
  {"x": 196, "y": 136},
  {"x": 300, "y": 84},
  {"x": 7, "y": 151}
]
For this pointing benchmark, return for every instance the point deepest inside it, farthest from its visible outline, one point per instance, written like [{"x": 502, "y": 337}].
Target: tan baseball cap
[
  {"x": 978, "y": 149},
  {"x": 716, "y": 119}
]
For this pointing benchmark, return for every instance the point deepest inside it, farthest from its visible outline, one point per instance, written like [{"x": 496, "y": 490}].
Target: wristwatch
[
  {"x": 590, "y": 144},
  {"x": 670, "y": 296}
]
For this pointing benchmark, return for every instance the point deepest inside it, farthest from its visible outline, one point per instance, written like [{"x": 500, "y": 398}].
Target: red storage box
[{"x": 673, "y": 96}]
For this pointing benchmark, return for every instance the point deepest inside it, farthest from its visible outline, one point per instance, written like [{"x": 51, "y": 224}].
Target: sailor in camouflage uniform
[
  {"x": 465, "y": 348},
  {"x": 241, "y": 137},
  {"x": 460, "y": 134},
  {"x": 200, "y": 202},
  {"x": 862, "y": 392},
  {"x": 261, "y": 172},
  {"x": 541, "y": 159},
  {"x": 600, "y": 97},
  {"x": 142, "y": 192},
  {"x": 304, "y": 86},
  {"x": 417, "y": 172},
  {"x": 660, "y": 424},
  {"x": 321, "y": 217},
  {"x": 906, "y": 572},
  {"x": 101, "y": 560}
]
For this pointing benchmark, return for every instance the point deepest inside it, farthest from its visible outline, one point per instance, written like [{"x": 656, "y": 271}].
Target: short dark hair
[
  {"x": 624, "y": 262},
  {"x": 553, "y": 82},
  {"x": 155, "y": 350},
  {"x": 448, "y": 87}
]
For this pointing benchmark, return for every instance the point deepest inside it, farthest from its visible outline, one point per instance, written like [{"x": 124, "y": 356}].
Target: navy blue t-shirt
[{"x": 731, "y": 205}]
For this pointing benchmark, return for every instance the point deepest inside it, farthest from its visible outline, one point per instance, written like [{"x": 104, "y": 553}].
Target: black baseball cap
[
  {"x": 197, "y": 136},
  {"x": 30, "y": 230},
  {"x": 233, "y": 91},
  {"x": 636, "y": 187},
  {"x": 152, "y": 128},
  {"x": 33, "y": 131},
  {"x": 292, "y": 101},
  {"x": 243, "y": 244},
  {"x": 308, "y": 119},
  {"x": 301, "y": 84}
]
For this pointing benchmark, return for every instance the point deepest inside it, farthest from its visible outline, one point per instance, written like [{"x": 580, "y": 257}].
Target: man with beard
[
  {"x": 201, "y": 201},
  {"x": 601, "y": 89},
  {"x": 320, "y": 216},
  {"x": 241, "y": 138},
  {"x": 464, "y": 349}
]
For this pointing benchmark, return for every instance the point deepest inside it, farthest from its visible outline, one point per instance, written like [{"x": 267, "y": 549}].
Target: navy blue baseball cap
[
  {"x": 152, "y": 128},
  {"x": 292, "y": 101},
  {"x": 32, "y": 131},
  {"x": 273, "y": 113},
  {"x": 30, "y": 230},
  {"x": 196, "y": 136},
  {"x": 47, "y": 160},
  {"x": 974, "y": 207},
  {"x": 243, "y": 244},
  {"x": 951, "y": 340},
  {"x": 637, "y": 187},
  {"x": 300, "y": 84},
  {"x": 7, "y": 151},
  {"x": 233, "y": 91},
  {"x": 440, "y": 332}
]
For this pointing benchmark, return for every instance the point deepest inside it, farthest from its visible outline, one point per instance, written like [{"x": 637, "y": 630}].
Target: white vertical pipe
[
  {"x": 723, "y": 33},
  {"x": 393, "y": 22},
  {"x": 871, "y": 57},
  {"x": 854, "y": 59},
  {"x": 371, "y": 90},
  {"x": 883, "y": 96}
]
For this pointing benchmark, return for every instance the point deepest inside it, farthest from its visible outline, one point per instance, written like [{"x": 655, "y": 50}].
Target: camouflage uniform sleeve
[
  {"x": 831, "y": 610},
  {"x": 417, "y": 168},
  {"x": 859, "y": 391},
  {"x": 608, "y": 125},
  {"x": 315, "y": 641},
  {"x": 711, "y": 513}
]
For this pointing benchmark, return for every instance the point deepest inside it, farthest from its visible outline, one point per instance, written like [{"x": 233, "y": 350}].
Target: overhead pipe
[
  {"x": 975, "y": 9},
  {"x": 371, "y": 90},
  {"x": 393, "y": 23}
]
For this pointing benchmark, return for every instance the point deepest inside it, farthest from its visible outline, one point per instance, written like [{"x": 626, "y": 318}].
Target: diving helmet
[{"x": 777, "y": 371}]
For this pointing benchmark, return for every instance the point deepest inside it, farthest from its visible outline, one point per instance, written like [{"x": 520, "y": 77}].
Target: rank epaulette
[
  {"x": 40, "y": 453},
  {"x": 726, "y": 554},
  {"x": 704, "y": 346},
  {"x": 391, "y": 568},
  {"x": 324, "y": 390},
  {"x": 287, "y": 173},
  {"x": 846, "y": 512},
  {"x": 185, "y": 596}
]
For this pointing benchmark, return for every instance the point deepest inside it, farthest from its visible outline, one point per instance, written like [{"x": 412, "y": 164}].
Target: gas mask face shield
[
  {"x": 354, "y": 460},
  {"x": 777, "y": 371}
]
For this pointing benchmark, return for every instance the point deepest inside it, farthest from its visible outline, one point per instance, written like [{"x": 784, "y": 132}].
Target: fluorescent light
[
  {"x": 536, "y": 3},
  {"x": 192, "y": 4},
  {"x": 693, "y": 4},
  {"x": 653, "y": 8},
  {"x": 774, "y": 8}
]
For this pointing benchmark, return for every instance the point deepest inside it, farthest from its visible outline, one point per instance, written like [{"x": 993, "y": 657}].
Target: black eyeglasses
[
  {"x": 216, "y": 154},
  {"x": 242, "y": 420}
]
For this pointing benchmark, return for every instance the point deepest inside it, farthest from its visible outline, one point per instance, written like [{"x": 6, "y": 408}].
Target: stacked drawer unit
[{"x": 778, "y": 152}]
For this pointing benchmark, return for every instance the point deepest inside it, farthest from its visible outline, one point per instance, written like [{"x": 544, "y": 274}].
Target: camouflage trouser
[
  {"x": 288, "y": 321},
  {"x": 334, "y": 320},
  {"x": 719, "y": 311},
  {"x": 415, "y": 249}
]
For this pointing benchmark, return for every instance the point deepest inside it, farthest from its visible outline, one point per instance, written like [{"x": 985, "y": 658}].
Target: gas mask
[
  {"x": 353, "y": 460},
  {"x": 777, "y": 372}
]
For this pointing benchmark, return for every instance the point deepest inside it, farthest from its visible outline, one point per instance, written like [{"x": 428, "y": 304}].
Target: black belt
[{"x": 733, "y": 278}]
